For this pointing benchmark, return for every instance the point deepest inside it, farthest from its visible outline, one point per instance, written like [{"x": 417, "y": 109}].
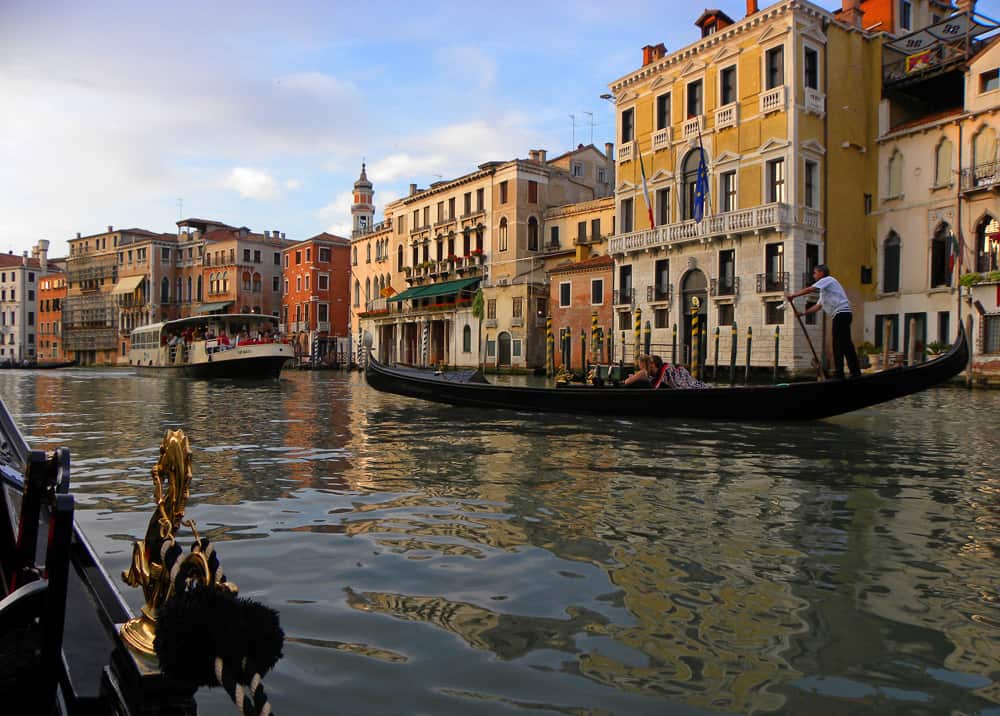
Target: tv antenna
[
  {"x": 572, "y": 119},
  {"x": 591, "y": 115}
]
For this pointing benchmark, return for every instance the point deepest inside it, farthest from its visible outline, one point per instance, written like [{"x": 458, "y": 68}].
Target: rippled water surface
[{"x": 436, "y": 560}]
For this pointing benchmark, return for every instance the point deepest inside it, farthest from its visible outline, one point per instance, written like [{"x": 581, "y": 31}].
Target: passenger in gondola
[
  {"x": 659, "y": 373},
  {"x": 641, "y": 377}
]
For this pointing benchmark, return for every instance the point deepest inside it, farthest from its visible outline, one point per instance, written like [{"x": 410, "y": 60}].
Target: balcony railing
[
  {"x": 624, "y": 297},
  {"x": 725, "y": 286},
  {"x": 807, "y": 279},
  {"x": 981, "y": 176},
  {"x": 773, "y": 100},
  {"x": 625, "y": 151},
  {"x": 693, "y": 127},
  {"x": 661, "y": 139},
  {"x": 772, "y": 282},
  {"x": 727, "y": 116},
  {"x": 659, "y": 294},
  {"x": 815, "y": 101},
  {"x": 732, "y": 223}
]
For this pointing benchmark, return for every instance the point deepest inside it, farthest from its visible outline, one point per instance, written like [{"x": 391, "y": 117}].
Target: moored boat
[
  {"x": 787, "y": 401},
  {"x": 238, "y": 345}
]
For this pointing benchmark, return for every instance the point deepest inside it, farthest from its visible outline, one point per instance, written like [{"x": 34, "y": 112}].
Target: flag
[
  {"x": 700, "y": 188},
  {"x": 953, "y": 251},
  {"x": 387, "y": 291},
  {"x": 645, "y": 192}
]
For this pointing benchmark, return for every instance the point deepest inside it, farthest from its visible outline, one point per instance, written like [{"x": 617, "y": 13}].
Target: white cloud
[
  {"x": 251, "y": 183},
  {"x": 292, "y": 184},
  {"x": 338, "y": 214}
]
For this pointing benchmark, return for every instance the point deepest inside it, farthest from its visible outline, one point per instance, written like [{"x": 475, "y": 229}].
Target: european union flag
[{"x": 700, "y": 188}]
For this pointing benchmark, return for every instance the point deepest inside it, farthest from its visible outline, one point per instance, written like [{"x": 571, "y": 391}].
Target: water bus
[{"x": 234, "y": 345}]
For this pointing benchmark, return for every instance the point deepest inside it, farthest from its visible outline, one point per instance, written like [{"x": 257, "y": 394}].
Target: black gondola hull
[{"x": 792, "y": 401}]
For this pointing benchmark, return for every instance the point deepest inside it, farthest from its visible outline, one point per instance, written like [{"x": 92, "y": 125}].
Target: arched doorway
[
  {"x": 503, "y": 349},
  {"x": 694, "y": 300}
]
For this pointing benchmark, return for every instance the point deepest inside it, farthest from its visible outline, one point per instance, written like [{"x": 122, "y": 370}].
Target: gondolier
[{"x": 833, "y": 300}]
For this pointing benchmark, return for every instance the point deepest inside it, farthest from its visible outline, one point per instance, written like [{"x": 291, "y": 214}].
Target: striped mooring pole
[
  {"x": 695, "y": 344},
  {"x": 550, "y": 368},
  {"x": 595, "y": 355},
  {"x": 637, "y": 327}
]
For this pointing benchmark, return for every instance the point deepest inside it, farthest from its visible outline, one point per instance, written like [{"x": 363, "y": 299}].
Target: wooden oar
[{"x": 820, "y": 375}]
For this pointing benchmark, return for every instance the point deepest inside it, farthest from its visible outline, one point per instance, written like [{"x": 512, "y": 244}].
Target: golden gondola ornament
[{"x": 172, "y": 476}]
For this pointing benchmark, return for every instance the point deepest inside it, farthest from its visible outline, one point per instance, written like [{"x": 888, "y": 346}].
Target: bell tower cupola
[{"x": 362, "y": 210}]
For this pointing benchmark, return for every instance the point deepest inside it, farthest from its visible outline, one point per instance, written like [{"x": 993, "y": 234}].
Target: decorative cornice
[{"x": 717, "y": 40}]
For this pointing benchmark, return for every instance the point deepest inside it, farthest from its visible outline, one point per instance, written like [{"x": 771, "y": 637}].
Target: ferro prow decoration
[{"x": 192, "y": 620}]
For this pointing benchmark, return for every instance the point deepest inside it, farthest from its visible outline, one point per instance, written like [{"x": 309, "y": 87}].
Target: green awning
[
  {"x": 434, "y": 289},
  {"x": 212, "y": 307}
]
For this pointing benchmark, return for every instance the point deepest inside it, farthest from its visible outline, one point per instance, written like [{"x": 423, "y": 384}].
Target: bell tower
[{"x": 362, "y": 210}]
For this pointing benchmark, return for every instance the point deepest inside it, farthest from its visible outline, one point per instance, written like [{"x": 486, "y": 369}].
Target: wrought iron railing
[
  {"x": 656, "y": 294},
  {"x": 624, "y": 297},
  {"x": 725, "y": 286},
  {"x": 772, "y": 282}
]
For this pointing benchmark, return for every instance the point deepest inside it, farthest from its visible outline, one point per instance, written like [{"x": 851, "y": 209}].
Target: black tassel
[{"x": 196, "y": 626}]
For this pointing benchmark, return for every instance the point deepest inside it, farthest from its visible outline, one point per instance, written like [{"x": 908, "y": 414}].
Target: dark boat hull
[
  {"x": 793, "y": 401},
  {"x": 243, "y": 368}
]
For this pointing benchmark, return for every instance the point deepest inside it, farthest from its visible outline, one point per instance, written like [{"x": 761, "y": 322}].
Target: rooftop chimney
[
  {"x": 110, "y": 229},
  {"x": 43, "y": 253},
  {"x": 413, "y": 189},
  {"x": 541, "y": 155},
  {"x": 652, "y": 53},
  {"x": 751, "y": 7},
  {"x": 852, "y": 12},
  {"x": 78, "y": 235},
  {"x": 609, "y": 151}
]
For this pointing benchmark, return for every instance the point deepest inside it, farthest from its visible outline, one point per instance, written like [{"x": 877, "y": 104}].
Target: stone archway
[{"x": 694, "y": 301}]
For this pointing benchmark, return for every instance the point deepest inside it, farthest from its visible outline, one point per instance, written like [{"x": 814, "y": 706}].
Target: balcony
[
  {"x": 693, "y": 127},
  {"x": 772, "y": 282},
  {"x": 773, "y": 100},
  {"x": 661, "y": 139},
  {"x": 625, "y": 151},
  {"x": 981, "y": 176},
  {"x": 769, "y": 217},
  {"x": 815, "y": 102},
  {"x": 624, "y": 297},
  {"x": 659, "y": 294},
  {"x": 725, "y": 286},
  {"x": 727, "y": 116},
  {"x": 811, "y": 219}
]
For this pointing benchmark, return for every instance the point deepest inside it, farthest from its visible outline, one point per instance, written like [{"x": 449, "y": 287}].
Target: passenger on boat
[
  {"x": 223, "y": 341},
  {"x": 641, "y": 377},
  {"x": 659, "y": 374}
]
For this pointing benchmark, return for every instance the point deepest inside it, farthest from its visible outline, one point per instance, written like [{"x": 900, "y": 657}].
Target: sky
[{"x": 259, "y": 114}]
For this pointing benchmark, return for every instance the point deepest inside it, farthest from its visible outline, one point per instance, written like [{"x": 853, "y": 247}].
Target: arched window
[
  {"x": 895, "y": 187},
  {"x": 502, "y": 235},
  {"x": 984, "y": 156},
  {"x": 466, "y": 242},
  {"x": 532, "y": 234},
  {"x": 165, "y": 290},
  {"x": 368, "y": 253},
  {"x": 257, "y": 283},
  {"x": 689, "y": 181},
  {"x": 942, "y": 163},
  {"x": 399, "y": 258},
  {"x": 368, "y": 290},
  {"x": 988, "y": 244},
  {"x": 890, "y": 263},
  {"x": 941, "y": 263},
  {"x": 246, "y": 280},
  {"x": 357, "y": 293},
  {"x": 480, "y": 231},
  {"x": 189, "y": 290},
  {"x": 225, "y": 282},
  {"x": 467, "y": 339},
  {"x": 178, "y": 285},
  {"x": 198, "y": 297},
  {"x": 451, "y": 243}
]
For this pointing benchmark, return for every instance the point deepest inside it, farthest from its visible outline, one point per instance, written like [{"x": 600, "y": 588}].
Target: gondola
[{"x": 786, "y": 401}]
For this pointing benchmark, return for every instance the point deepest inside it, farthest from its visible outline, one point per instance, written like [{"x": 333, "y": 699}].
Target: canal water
[{"x": 436, "y": 560}]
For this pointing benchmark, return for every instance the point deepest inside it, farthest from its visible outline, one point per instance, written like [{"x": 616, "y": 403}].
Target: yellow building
[{"x": 782, "y": 103}]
